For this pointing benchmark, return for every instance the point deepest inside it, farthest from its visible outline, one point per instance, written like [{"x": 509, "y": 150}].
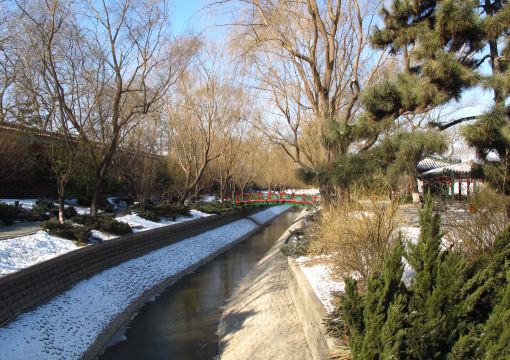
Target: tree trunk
[
  {"x": 341, "y": 194},
  {"x": 327, "y": 193},
  {"x": 94, "y": 205},
  {"x": 61, "y": 205}
]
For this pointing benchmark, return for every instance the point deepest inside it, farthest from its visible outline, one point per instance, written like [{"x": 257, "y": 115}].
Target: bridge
[{"x": 274, "y": 198}]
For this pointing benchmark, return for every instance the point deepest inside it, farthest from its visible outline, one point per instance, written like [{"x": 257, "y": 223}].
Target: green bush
[
  {"x": 297, "y": 245},
  {"x": 112, "y": 226},
  {"x": 11, "y": 213},
  {"x": 154, "y": 212},
  {"x": 108, "y": 208},
  {"x": 82, "y": 234},
  {"x": 86, "y": 220},
  {"x": 215, "y": 207},
  {"x": 43, "y": 207},
  {"x": 103, "y": 223},
  {"x": 8, "y": 213},
  {"x": 69, "y": 212},
  {"x": 147, "y": 215},
  {"x": 453, "y": 308},
  {"x": 67, "y": 230}
]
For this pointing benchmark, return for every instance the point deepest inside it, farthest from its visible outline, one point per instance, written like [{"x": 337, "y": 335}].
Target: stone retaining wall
[
  {"x": 311, "y": 313},
  {"x": 37, "y": 284},
  {"x": 309, "y": 308}
]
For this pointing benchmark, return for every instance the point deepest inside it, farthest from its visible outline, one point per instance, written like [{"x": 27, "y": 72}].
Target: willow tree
[{"x": 313, "y": 61}]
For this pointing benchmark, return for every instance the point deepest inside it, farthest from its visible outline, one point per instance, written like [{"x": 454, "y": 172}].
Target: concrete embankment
[{"x": 274, "y": 314}]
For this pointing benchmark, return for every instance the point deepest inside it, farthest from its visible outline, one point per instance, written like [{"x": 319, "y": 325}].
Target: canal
[{"x": 181, "y": 323}]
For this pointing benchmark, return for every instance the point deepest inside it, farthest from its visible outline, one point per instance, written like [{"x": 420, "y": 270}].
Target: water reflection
[{"x": 182, "y": 323}]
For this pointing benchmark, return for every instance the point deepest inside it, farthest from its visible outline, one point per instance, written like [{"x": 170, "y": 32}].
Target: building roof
[
  {"x": 431, "y": 163},
  {"x": 464, "y": 168}
]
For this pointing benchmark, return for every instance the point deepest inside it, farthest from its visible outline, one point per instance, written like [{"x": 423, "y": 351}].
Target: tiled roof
[
  {"x": 431, "y": 163},
  {"x": 461, "y": 168}
]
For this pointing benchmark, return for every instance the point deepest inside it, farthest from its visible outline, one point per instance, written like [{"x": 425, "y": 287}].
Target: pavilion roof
[
  {"x": 464, "y": 168},
  {"x": 430, "y": 163}
]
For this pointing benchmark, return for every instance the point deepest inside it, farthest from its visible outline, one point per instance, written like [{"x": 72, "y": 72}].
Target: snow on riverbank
[
  {"x": 318, "y": 272},
  {"x": 24, "y": 251},
  {"x": 138, "y": 223},
  {"x": 68, "y": 325},
  {"x": 319, "y": 275},
  {"x": 264, "y": 216}
]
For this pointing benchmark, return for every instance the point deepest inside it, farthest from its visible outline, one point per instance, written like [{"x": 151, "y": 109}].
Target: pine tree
[
  {"x": 444, "y": 44},
  {"x": 400, "y": 153},
  {"x": 455, "y": 308},
  {"x": 437, "y": 40},
  {"x": 366, "y": 321},
  {"x": 351, "y": 310}
]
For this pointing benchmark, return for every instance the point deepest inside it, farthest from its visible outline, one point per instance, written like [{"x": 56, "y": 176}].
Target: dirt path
[
  {"x": 19, "y": 229},
  {"x": 260, "y": 321}
]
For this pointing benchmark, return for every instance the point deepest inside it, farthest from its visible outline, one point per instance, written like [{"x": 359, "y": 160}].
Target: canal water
[{"x": 181, "y": 324}]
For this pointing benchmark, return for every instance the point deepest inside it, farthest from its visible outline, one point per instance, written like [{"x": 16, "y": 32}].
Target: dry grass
[
  {"x": 358, "y": 235},
  {"x": 474, "y": 233}
]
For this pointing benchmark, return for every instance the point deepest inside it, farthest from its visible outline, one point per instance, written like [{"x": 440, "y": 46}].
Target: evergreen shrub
[
  {"x": 103, "y": 223},
  {"x": 67, "y": 230},
  {"x": 454, "y": 308},
  {"x": 8, "y": 213},
  {"x": 297, "y": 244},
  {"x": 43, "y": 207},
  {"x": 155, "y": 212},
  {"x": 214, "y": 207}
]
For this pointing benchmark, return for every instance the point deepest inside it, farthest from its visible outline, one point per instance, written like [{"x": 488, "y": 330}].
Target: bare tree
[
  {"x": 107, "y": 72},
  {"x": 138, "y": 62},
  {"x": 63, "y": 63},
  {"x": 195, "y": 118},
  {"x": 313, "y": 59}
]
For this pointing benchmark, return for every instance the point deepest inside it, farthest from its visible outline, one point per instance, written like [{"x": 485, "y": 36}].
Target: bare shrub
[
  {"x": 474, "y": 232},
  {"x": 356, "y": 235}
]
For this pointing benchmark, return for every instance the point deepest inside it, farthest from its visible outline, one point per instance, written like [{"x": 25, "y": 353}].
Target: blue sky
[
  {"x": 184, "y": 14},
  {"x": 196, "y": 16}
]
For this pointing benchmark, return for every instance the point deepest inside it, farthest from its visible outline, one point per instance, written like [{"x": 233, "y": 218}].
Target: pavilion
[{"x": 449, "y": 178}]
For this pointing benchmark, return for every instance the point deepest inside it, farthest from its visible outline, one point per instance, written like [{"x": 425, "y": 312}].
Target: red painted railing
[{"x": 273, "y": 197}]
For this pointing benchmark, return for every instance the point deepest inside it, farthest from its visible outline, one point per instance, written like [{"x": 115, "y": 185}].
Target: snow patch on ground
[
  {"x": 65, "y": 327},
  {"x": 411, "y": 233},
  {"x": 320, "y": 277},
  {"x": 264, "y": 216},
  {"x": 313, "y": 191},
  {"x": 25, "y": 203},
  {"x": 102, "y": 235},
  {"x": 209, "y": 198},
  {"x": 138, "y": 223},
  {"x": 24, "y": 251}
]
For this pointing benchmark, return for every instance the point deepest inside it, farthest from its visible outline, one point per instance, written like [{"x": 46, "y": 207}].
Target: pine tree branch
[{"x": 444, "y": 126}]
